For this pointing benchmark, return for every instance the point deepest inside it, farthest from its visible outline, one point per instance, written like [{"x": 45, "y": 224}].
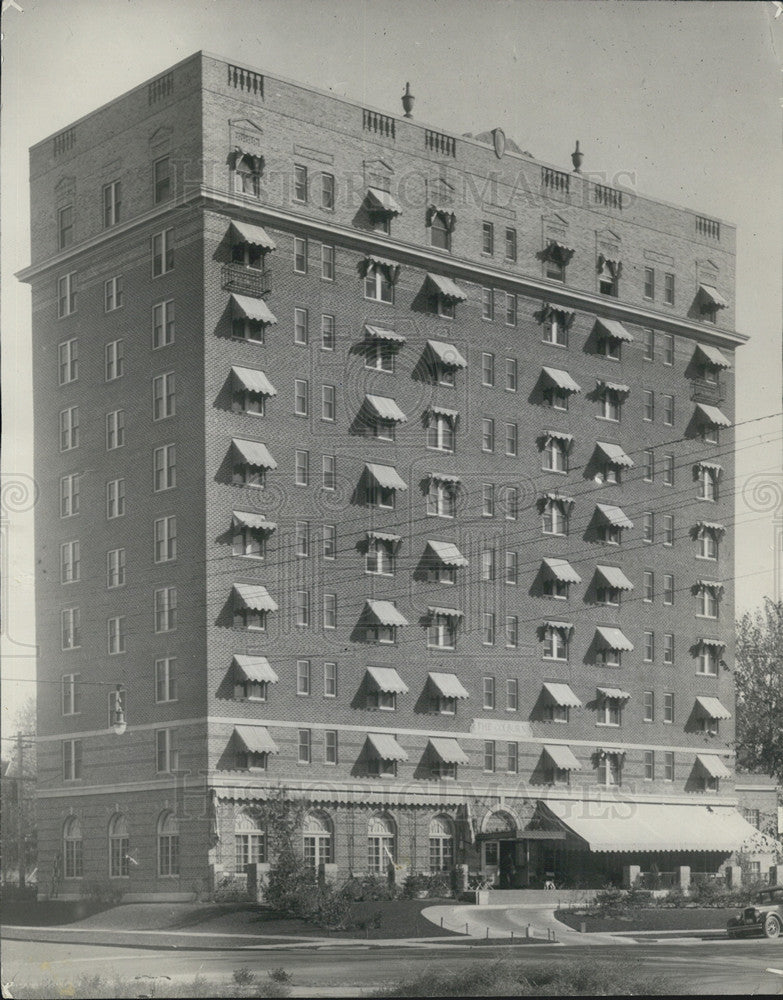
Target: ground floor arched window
[
  {"x": 381, "y": 843},
  {"x": 249, "y": 841},
  {"x": 168, "y": 844},
  {"x": 318, "y": 836},
  {"x": 119, "y": 845},
  {"x": 73, "y": 865},
  {"x": 441, "y": 844}
]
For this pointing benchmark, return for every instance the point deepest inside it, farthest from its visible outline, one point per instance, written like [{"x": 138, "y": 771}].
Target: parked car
[{"x": 765, "y": 916}]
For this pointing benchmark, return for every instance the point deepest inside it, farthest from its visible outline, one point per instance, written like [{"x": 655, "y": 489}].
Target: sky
[{"x": 682, "y": 100}]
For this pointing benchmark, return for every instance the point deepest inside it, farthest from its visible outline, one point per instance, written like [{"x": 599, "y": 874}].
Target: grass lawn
[{"x": 653, "y": 919}]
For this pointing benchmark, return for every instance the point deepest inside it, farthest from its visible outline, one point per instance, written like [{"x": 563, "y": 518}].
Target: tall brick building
[{"x": 383, "y": 466}]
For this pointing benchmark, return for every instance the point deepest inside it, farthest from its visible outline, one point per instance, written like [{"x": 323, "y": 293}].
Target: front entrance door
[{"x": 507, "y": 862}]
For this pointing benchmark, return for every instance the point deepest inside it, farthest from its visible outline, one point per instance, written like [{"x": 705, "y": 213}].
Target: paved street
[{"x": 704, "y": 967}]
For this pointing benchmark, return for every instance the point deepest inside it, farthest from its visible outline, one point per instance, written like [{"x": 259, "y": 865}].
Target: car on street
[{"x": 763, "y": 917}]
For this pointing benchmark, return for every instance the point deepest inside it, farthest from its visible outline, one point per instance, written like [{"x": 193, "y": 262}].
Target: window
[
  {"x": 668, "y": 588},
  {"x": 302, "y": 468},
  {"x": 163, "y": 396},
  {"x": 440, "y": 234},
  {"x": 708, "y": 484},
  {"x": 752, "y": 816},
  {"x": 441, "y": 841},
  {"x": 380, "y": 558},
  {"x": 118, "y": 847},
  {"x": 488, "y": 238},
  {"x": 555, "y": 643},
  {"x": 68, "y": 357},
  {"x": 249, "y": 618},
  {"x": 649, "y": 647},
  {"x": 709, "y": 602},
  {"x": 164, "y": 466},
  {"x": 301, "y": 327},
  {"x": 301, "y": 396},
  {"x": 114, "y": 360},
  {"x": 73, "y": 864},
  {"x": 668, "y": 529},
  {"x": 511, "y": 375},
  {"x": 115, "y": 568},
  {"x": 668, "y": 410},
  {"x": 305, "y": 746},
  {"x": 166, "y": 753},
  {"x": 511, "y": 244},
  {"x": 555, "y": 331},
  {"x": 649, "y": 765},
  {"x": 112, "y": 203},
  {"x": 163, "y": 324},
  {"x": 648, "y": 526},
  {"x": 246, "y": 541},
  {"x": 161, "y": 175},
  {"x": 488, "y": 369},
  {"x": 329, "y": 478},
  {"x": 441, "y": 499},
  {"x": 327, "y": 332},
  {"x": 558, "y": 589},
  {"x": 303, "y": 677},
  {"x": 555, "y": 455},
  {"x": 72, "y": 760},
  {"x": 512, "y": 632},
  {"x": 648, "y": 397},
  {"x": 329, "y": 538},
  {"x": 379, "y": 356},
  {"x": 609, "y": 712},
  {"x": 512, "y": 696},
  {"x": 668, "y": 707},
  {"x": 488, "y": 629},
  {"x": 649, "y": 345},
  {"x": 69, "y": 428},
  {"x": 115, "y": 430},
  {"x": 648, "y": 712},
  {"x": 511, "y": 439},
  {"x": 165, "y": 604},
  {"x": 609, "y": 596},
  {"x": 608, "y": 277},
  {"x": 300, "y": 183},
  {"x": 668, "y": 289},
  {"x": 327, "y": 191},
  {"x": 610, "y": 347},
  {"x": 668, "y": 765},
  {"x": 649, "y": 465},
  {"x": 385, "y": 701},
  {"x": 555, "y": 268},
  {"x": 71, "y": 694},
  {"x": 668, "y": 649},
  {"x": 611, "y": 405},
  {"x": 708, "y": 659},
  {"x": 162, "y": 252},
  {"x": 649, "y": 586},
  {"x": 66, "y": 295},
  {"x": 649, "y": 283},
  {"x": 300, "y": 255},
  {"x": 511, "y": 309},
  {"x": 330, "y": 746},
  {"x": 166, "y": 679},
  {"x": 377, "y": 285},
  {"x": 330, "y": 611},
  {"x": 115, "y": 499},
  {"x": 487, "y": 434},
  {"x": 489, "y": 755},
  {"x": 327, "y": 262},
  {"x": 168, "y": 845},
  {"x": 555, "y": 518},
  {"x": 303, "y": 608},
  {"x": 302, "y": 543},
  {"x": 440, "y": 432},
  {"x": 512, "y": 574},
  {"x": 489, "y": 693},
  {"x": 330, "y": 680},
  {"x": 115, "y": 634},
  {"x": 249, "y": 848},
  {"x": 668, "y": 470},
  {"x": 668, "y": 348},
  {"x": 487, "y": 303},
  {"x": 65, "y": 227},
  {"x": 70, "y": 562},
  {"x": 488, "y": 565}
]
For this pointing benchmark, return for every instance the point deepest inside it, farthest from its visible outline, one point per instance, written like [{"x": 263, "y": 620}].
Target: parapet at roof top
[{"x": 488, "y": 137}]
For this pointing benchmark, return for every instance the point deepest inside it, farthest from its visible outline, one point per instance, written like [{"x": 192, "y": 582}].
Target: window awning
[
  {"x": 385, "y": 476},
  {"x": 253, "y": 380},
  {"x": 712, "y": 708},
  {"x": 385, "y": 408},
  {"x": 618, "y": 387},
  {"x": 653, "y": 826},
  {"x": 614, "y": 516},
  {"x": 712, "y": 643},
  {"x": 558, "y": 498},
  {"x": 382, "y": 201},
  {"x": 441, "y": 411},
  {"x": 614, "y": 694},
  {"x": 386, "y": 746},
  {"x": 560, "y": 380},
  {"x": 614, "y": 577},
  {"x": 381, "y": 333},
  {"x": 445, "y": 477},
  {"x": 561, "y": 694},
  {"x": 253, "y": 453},
  {"x": 253, "y": 309},
  {"x": 449, "y": 289},
  {"x": 384, "y": 536},
  {"x": 706, "y": 355},
  {"x": 614, "y": 454},
  {"x": 385, "y": 613},
  {"x": 715, "y": 585},
  {"x": 245, "y": 519},
  {"x": 562, "y": 436},
  {"x": 447, "y": 354},
  {"x": 255, "y": 668},
  {"x": 447, "y": 553},
  {"x": 611, "y": 328},
  {"x": 562, "y": 757},
  {"x": 560, "y": 251},
  {"x": 612, "y": 638},
  {"x": 255, "y": 739},
  {"x": 713, "y": 296},
  {"x": 445, "y": 612},
  {"x": 254, "y": 596},
  {"x": 559, "y": 626},
  {"x": 448, "y": 685},
  {"x": 562, "y": 570},
  {"x": 711, "y": 467},
  {"x": 449, "y": 751},
  {"x": 713, "y": 765},
  {"x": 387, "y": 679},
  {"x": 254, "y": 236},
  {"x": 718, "y": 529},
  {"x": 711, "y": 415}
]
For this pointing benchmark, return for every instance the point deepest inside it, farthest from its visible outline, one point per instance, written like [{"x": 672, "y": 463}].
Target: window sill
[
  {"x": 608, "y": 420},
  {"x": 557, "y": 472},
  {"x": 553, "y": 343},
  {"x": 608, "y": 725}
]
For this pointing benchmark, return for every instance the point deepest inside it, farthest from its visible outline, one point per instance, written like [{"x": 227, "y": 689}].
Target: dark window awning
[
  {"x": 254, "y": 236},
  {"x": 559, "y": 252},
  {"x": 451, "y": 613},
  {"x": 565, "y": 627},
  {"x": 386, "y": 476},
  {"x": 712, "y": 765},
  {"x": 386, "y": 747},
  {"x": 562, "y": 436},
  {"x": 249, "y": 519},
  {"x": 255, "y": 739},
  {"x": 711, "y": 415},
  {"x": 253, "y": 380},
  {"x": 384, "y": 613},
  {"x": 713, "y": 526},
  {"x": 711, "y": 356},
  {"x": 387, "y": 537},
  {"x": 255, "y": 668},
  {"x": 449, "y": 750},
  {"x": 449, "y": 289},
  {"x": 562, "y": 757},
  {"x": 381, "y": 201},
  {"x": 713, "y": 296},
  {"x": 612, "y": 638},
  {"x": 711, "y": 467},
  {"x": 711, "y": 708},
  {"x": 445, "y": 477},
  {"x": 447, "y": 354},
  {"x": 253, "y": 596},
  {"x": 614, "y": 694},
  {"x": 561, "y": 694},
  {"x": 614, "y": 454},
  {"x": 558, "y": 498},
  {"x": 448, "y": 685},
  {"x": 715, "y": 585},
  {"x": 389, "y": 267},
  {"x": 253, "y": 309},
  {"x": 253, "y": 453},
  {"x": 441, "y": 411},
  {"x": 381, "y": 333},
  {"x": 447, "y": 553},
  {"x": 611, "y": 328},
  {"x": 614, "y": 577},
  {"x": 387, "y": 680},
  {"x": 615, "y": 387},
  {"x": 712, "y": 643},
  {"x": 613, "y": 515},
  {"x": 560, "y": 380},
  {"x": 385, "y": 408},
  {"x": 562, "y": 570}
]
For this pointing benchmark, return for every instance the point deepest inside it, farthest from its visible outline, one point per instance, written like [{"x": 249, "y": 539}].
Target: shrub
[
  {"x": 415, "y": 882},
  {"x": 243, "y": 976}
]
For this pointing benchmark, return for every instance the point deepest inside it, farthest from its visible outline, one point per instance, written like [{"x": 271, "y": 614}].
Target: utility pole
[{"x": 19, "y": 807}]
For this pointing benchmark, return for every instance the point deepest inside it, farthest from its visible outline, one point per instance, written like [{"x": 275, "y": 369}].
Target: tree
[
  {"x": 18, "y": 790},
  {"x": 759, "y": 679}
]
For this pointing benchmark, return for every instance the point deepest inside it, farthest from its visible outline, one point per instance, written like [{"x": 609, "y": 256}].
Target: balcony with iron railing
[
  {"x": 703, "y": 391},
  {"x": 245, "y": 280}
]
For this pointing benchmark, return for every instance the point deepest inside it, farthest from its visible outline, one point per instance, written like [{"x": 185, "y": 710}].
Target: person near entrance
[{"x": 507, "y": 870}]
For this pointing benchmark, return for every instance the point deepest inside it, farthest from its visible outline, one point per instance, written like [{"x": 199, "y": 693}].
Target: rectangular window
[
  {"x": 71, "y": 628},
  {"x": 488, "y": 369},
  {"x": 488, "y": 565},
  {"x": 488, "y": 238},
  {"x": 301, "y": 332},
  {"x": 611, "y": 406},
  {"x": 512, "y": 632},
  {"x": 489, "y": 755},
  {"x": 512, "y": 503},
  {"x": 512, "y": 380},
  {"x": 115, "y": 568},
  {"x": 648, "y": 397},
  {"x": 302, "y": 538},
  {"x": 305, "y": 746},
  {"x": 303, "y": 677},
  {"x": 512, "y": 573},
  {"x": 163, "y": 396},
  {"x": 512, "y": 758},
  {"x": 69, "y": 428},
  {"x": 668, "y": 649},
  {"x": 668, "y": 410},
  {"x": 330, "y": 680},
  {"x": 302, "y": 468},
  {"x": 512, "y": 695},
  {"x": 114, "y": 360},
  {"x": 555, "y": 644},
  {"x": 487, "y": 303},
  {"x": 165, "y": 539},
  {"x": 555, "y": 331},
  {"x": 115, "y": 430},
  {"x": 649, "y": 586},
  {"x": 329, "y": 541},
  {"x": 648, "y": 714},
  {"x": 327, "y": 262},
  {"x": 668, "y": 470},
  {"x": 554, "y": 519},
  {"x": 301, "y": 396},
  {"x": 668, "y": 289},
  {"x": 303, "y": 608},
  {"x": 668, "y": 588},
  {"x": 377, "y": 286},
  {"x": 649, "y": 283},
  {"x": 328, "y": 405},
  {"x": 511, "y": 440},
  {"x": 441, "y": 499},
  {"x": 489, "y": 693},
  {"x": 163, "y": 324},
  {"x": 115, "y": 635},
  {"x": 72, "y": 763},
  {"x": 649, "y": 465},
  {"x": 648, "y": 526},
  {"x": 164, "y": 468},
  {"x": 487, "y": 434},
  {"x": 649, "y": 345},
  {"x": 555, "y": 455},
  {"x": 668, "y": 348},
  {"x": 300, "y": 183},
  {"x": 327, "y": 191},
  {"x": 65, "y": 227},
  {"x": 327, "y": 332},
  {"x": 165, "y": 751},
  {"x": 511, "y": 244},
  {"x": 161, "y": 171},
  {"x": 300, "y": 255},
  {"x": 165, "y": 679},
  {"x": 66, "y": 295},
  {"x": 165, "y": 609},
  {"x": 112, "y": 203},
  {"x": 649, "y": 647},
  {"x": 162, "y": 252},
  {"x": 330, "y": 746},
  {"x": 511, "y": 309},
  {"x": 668, "y": 707},
  {"x": 115, "y": 498},
  {"x": 70, "y": 562},
  {"x": 68, "y": 357},
  {"x": 668, "y": 529},
  {"x": 113, "y": 297},
  {"x": 668, "y": 765},
  {"x": 330, "y": 611},
  {"x": 329, "y": 477},
  {"x": 71, "y": 694},
  {"x": 488, "y": 632}
]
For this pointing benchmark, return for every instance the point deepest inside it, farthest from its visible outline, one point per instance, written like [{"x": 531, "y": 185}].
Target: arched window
[
  {"x": 168, "y": 844},
  {"x": 72, "y": 848},
  {"x": 317, "y": 839},
  {"x": 249, "y": 840},
  {"x": 381, "y": 843},
  {"x": 441, "y": 844},
  {"x": 247, "y": 174},
  {"x": 119, "y": 843}
]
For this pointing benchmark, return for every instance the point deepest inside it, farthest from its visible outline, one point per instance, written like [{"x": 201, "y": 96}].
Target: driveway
[{"x": 532, "y": 920}]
